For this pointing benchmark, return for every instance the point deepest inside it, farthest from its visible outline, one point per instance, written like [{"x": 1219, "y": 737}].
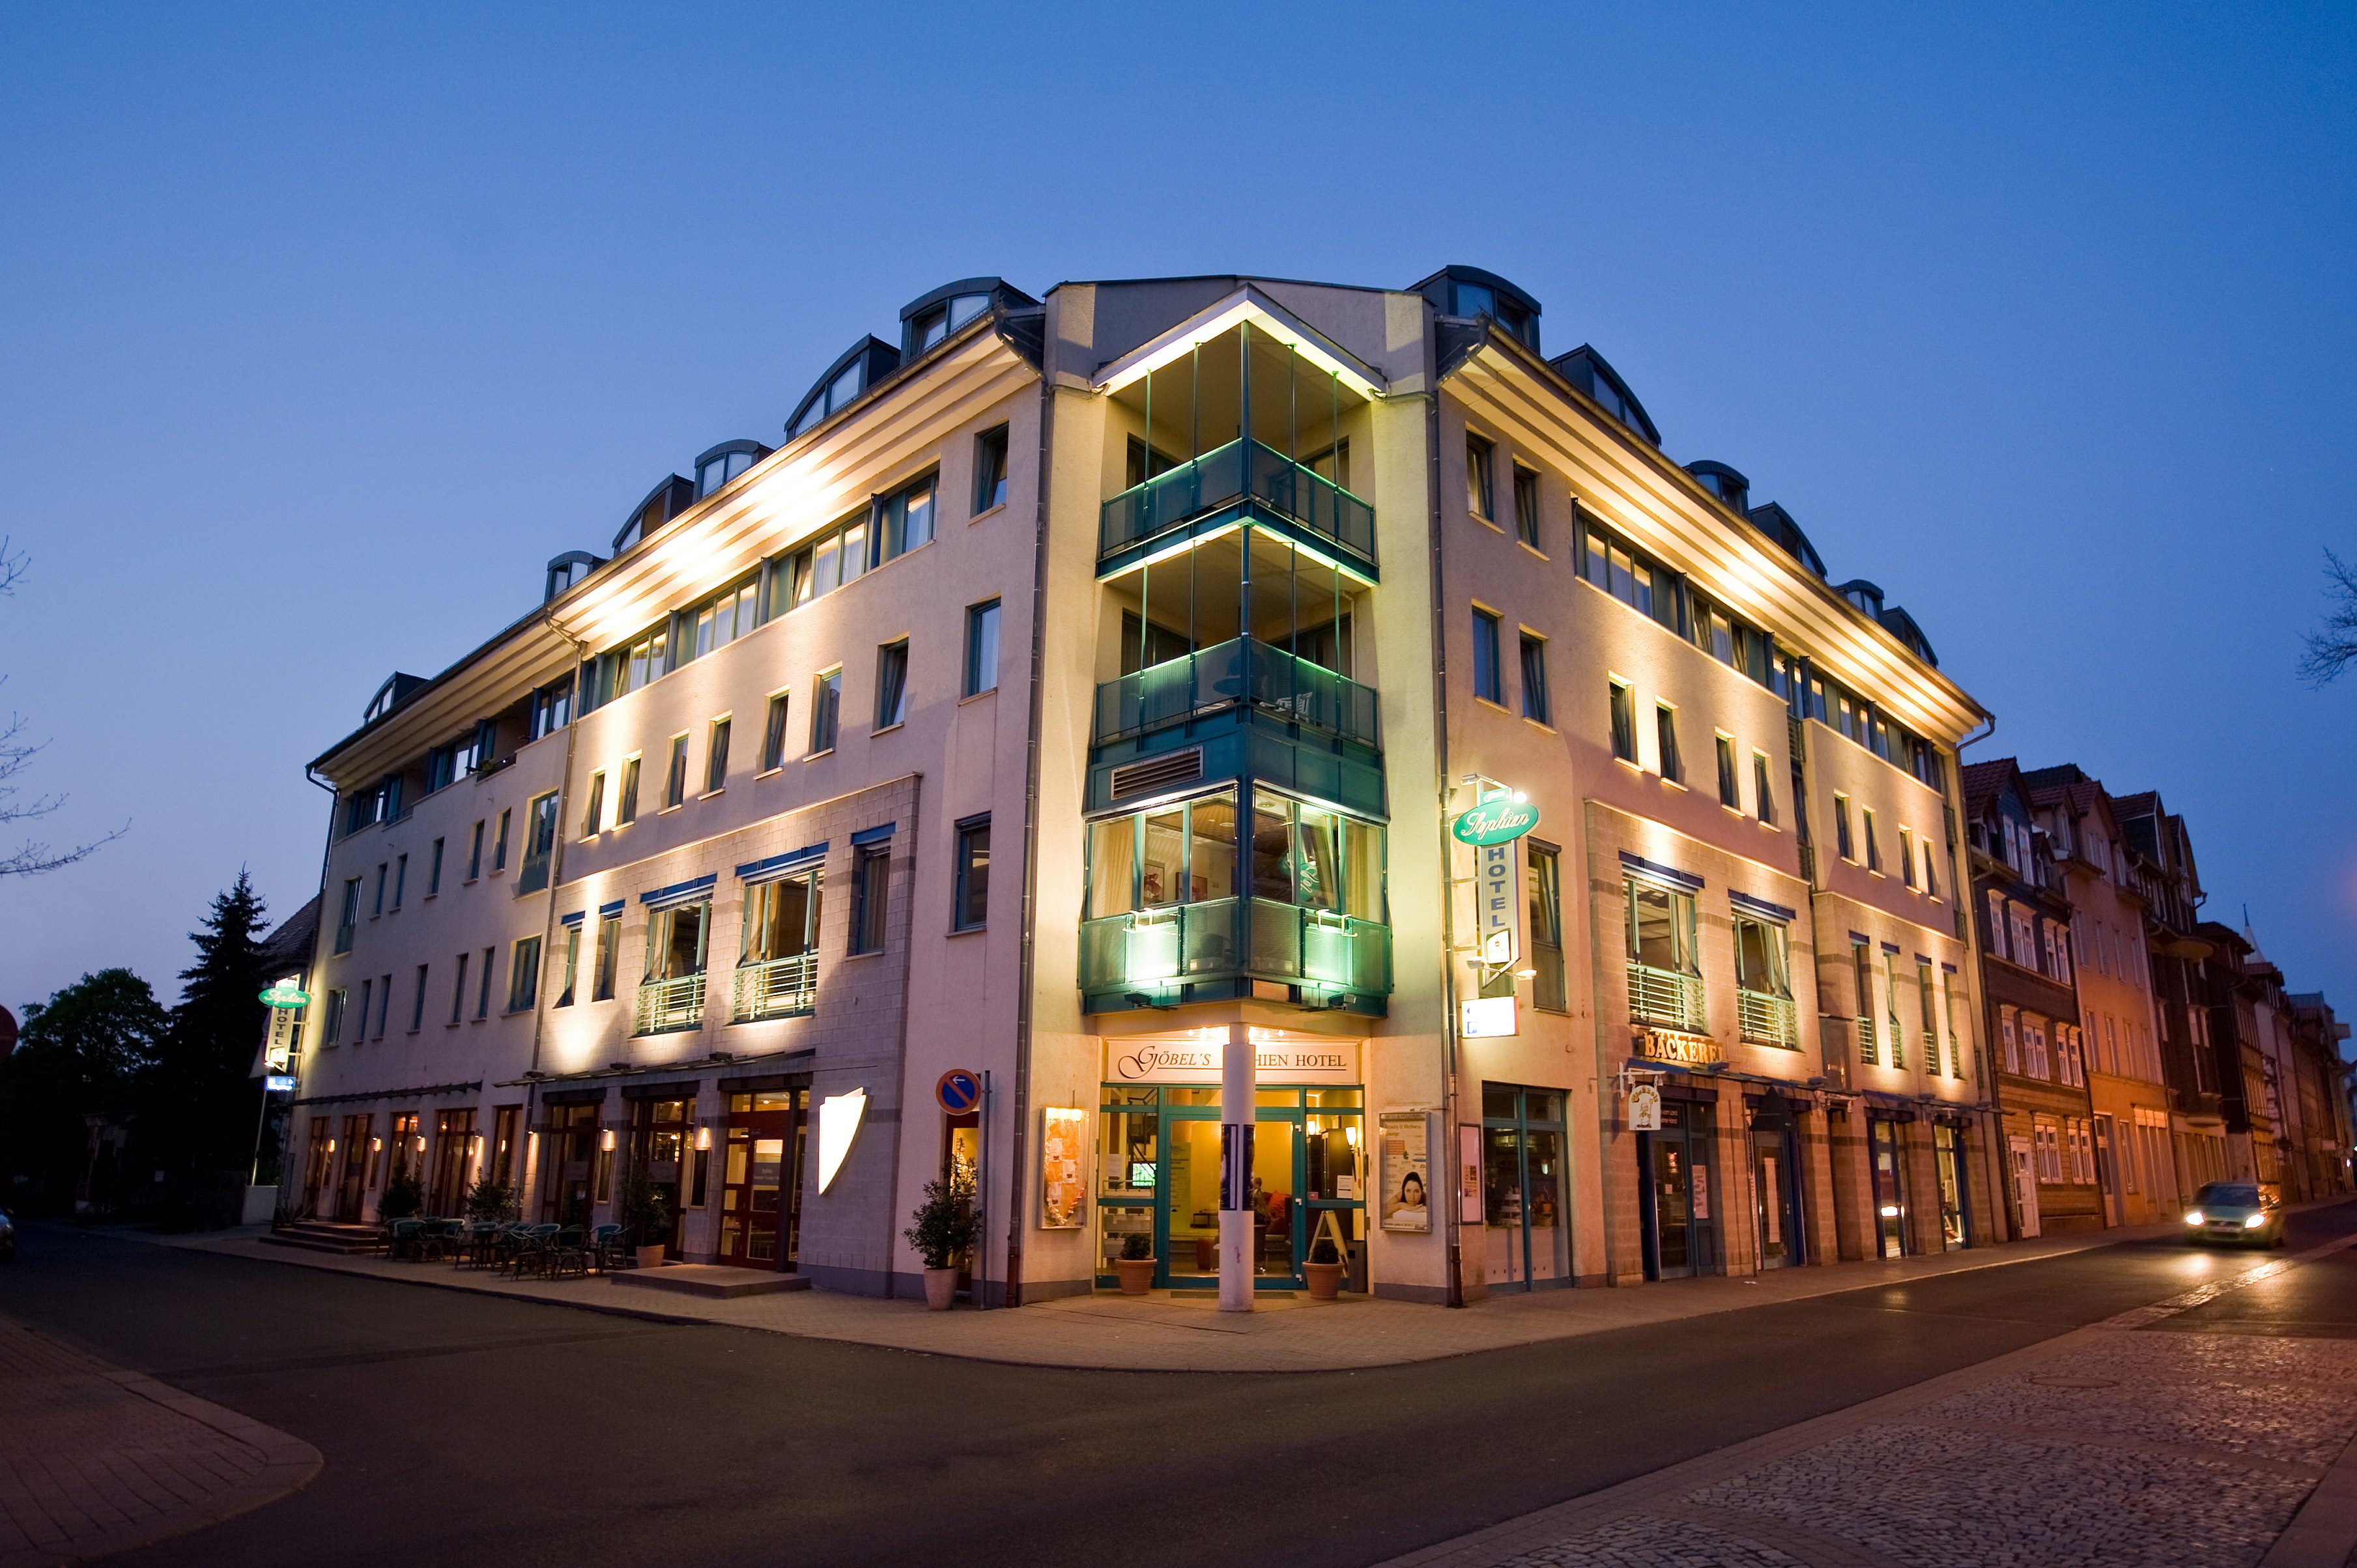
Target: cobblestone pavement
[
  {"x": 2109, "y": 1447},
  {"x": 95, "y": 1459}
]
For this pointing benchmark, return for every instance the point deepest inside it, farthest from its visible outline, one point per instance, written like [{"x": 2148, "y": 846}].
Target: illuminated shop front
[{"x": 1158, "y": 1158}]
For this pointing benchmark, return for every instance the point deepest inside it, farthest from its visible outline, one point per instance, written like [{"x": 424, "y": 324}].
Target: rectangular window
[
  {"x": 2033, "y": 1049},
  {"x": 971, "y": 897},
  {"x": 1479, "y": 499},
  {"x": 383, "y": 1002},
  {"x": 1763, "y": 797},
  {"x": 609, "y": 949},
  {"x": 719, "y": 620},
  {"x": 1665, "y": 737},
  {"x": 773, "y": 733},
  {"x": 1665, "y": 968},
  {"x": 500, "y": 846},
  {"x": 904, "y": 519},
  {"x": 781, "y": 917},
  {"x": 2009, "y": 1041},
  {"x": 1861, "y": 963},
  {"x": 458, "y": 989},
  {"x": 674, "y": 789},
  {"x": 1996, "y": 922},
  {"x": 592, "y": 814},
  {"x": 417, "y": 1003},
  {"x": 1873, "y": 847},
  {"x": 1628, "y": 574},
  {"x": 1907, "y": 857},
  {"x": 433, "y": 871},
  {"x": 475, "y": 854},
  {"x": 1527, "y": 505},
  {"x": 523, "y": 975},
  {"x": 827, "y": 701},
  {"x": 377, "y": 907},
  {"x": 1624, "y": 721},
  {"x": 980, "y": 649},
  {"x": 483, "y": 985},
  {"x": 715, "y": 756},
  {"x": 990, "y": 470},
  {"x": 360, "y": 1020},
  {"x": 1891, "y": 1009},
  {"x": 1489, "y": 680},
  {"x": 870, "y": 884},
  {"x": 626, "y": 799},
  {"x": 572, "y": 964},
  {"x": 892, "y": 685},
  {"x": 1931, "y": 877},
  {"x": 1543, "y": 870},
  {"x": 332, "y": 1030},
  {"x": 1842, "y": 843},
  {"x": 1731, "y": 783},
  {"x": 1534, "y": 680},
  {"x": 539, "y": 843},
  {"x": 1764, "y": 981},
  {"x": 347, "y": 916},
  {"x": 399, "y": 879}
]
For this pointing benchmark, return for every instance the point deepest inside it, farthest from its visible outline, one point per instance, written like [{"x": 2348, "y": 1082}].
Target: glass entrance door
[
  {"x": 1772, "y": 1181},
  {"x": 572, "y": 1131},
  {"x": 1889, "y": 1187},
  {"x": 659, "y": 1143},
  {"x": 1948, "y": 1155},
  {"x": 1523, "y": 1141},
  {"x": 351, "y": 1192},
  {"x": 1678, "y": 1216},
  {"x": 760, "y": 1181}
]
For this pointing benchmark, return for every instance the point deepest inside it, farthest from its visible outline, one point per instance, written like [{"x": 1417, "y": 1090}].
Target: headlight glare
[
  {"x": 2193, "y": 1216},
  {"x": 2253, "y": 1221}
]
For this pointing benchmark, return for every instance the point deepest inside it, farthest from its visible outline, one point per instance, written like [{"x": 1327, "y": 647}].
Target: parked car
[
  {"x": 7, "y": 1238},
  {"x": 2238, "y": 1211}
]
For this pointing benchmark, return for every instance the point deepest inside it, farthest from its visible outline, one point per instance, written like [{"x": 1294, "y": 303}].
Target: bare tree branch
[
  {"x": 33, "y": 856},
  {"x": 2331, "y": 650}
]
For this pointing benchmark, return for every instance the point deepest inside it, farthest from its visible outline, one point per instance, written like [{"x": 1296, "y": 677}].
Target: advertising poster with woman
[{"x": 1406, "y": 1172}]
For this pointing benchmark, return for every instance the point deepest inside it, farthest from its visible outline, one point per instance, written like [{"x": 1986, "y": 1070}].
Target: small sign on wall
[{"x": 1644, "y": 1108}]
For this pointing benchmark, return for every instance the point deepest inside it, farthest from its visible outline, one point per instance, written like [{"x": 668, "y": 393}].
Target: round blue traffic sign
[{"x": 959, "y": 1091}]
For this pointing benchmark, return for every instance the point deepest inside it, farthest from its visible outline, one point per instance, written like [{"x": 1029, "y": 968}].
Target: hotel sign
[
  {"x": 1499, "y": 820},
  {"x": 1162, "y": 1061},
  {"x": 1676, "y": 1046}
]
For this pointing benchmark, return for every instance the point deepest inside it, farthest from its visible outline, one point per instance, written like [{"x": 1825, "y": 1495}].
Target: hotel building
[{"x": 1088, "y": 694}]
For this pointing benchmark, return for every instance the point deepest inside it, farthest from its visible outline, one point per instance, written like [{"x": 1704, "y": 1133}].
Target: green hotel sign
[
  {"x": 1499, "y": 820},
  {"x": 285, "y": 995}
]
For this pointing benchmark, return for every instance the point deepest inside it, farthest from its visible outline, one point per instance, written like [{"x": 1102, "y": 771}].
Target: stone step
[
  {"x": 314, "y": 1243},
  {"x": 717, "y": 1280}
]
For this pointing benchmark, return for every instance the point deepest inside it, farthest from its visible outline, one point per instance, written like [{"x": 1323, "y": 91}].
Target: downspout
[
  {"x": 1453, "y": 1286},
  {"x": 1029, "y": 934},
  {"x": 327, "y": 852}
]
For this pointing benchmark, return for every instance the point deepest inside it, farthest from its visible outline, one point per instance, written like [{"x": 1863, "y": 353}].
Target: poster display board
[
  {"x": 1404, "y": 1174},
  {"x": 1063, "y": 1154}
]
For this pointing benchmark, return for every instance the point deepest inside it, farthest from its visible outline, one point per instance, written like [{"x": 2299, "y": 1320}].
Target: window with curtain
[{"x": 675, "y": 939}]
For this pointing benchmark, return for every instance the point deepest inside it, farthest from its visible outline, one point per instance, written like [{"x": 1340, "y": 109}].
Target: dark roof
[
  {"x": 287, "y": 950},
  {"x": 1584, "y": 366},
  {"x": 1984, "y": 782},
  {"x": 1771, "y": 518}
]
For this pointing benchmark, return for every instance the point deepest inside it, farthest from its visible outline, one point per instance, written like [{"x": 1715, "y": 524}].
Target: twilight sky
[{"x": 323, "y": 328}]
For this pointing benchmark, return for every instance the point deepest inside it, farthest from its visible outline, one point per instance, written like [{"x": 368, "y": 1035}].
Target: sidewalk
[
  {"x": 95, "y": 1459},
  {"x": 1163, "y": 1332}
]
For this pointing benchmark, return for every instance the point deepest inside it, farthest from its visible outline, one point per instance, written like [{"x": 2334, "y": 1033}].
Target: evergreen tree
[
  {"x": 82, "y": 1051},
  {"x": 198, "y": 1116}
]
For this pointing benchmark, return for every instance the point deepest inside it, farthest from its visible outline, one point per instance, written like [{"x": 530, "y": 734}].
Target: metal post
[
  {"x": 982, "y": 1202},
  {"x": 1238, "y": 1223}
]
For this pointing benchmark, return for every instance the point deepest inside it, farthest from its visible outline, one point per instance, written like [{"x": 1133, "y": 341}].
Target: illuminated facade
[{"x": 1202, "y": 608}]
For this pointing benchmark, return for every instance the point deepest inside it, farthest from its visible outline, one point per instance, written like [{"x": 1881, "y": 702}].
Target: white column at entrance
[{"x": 1238, "y": 1224}]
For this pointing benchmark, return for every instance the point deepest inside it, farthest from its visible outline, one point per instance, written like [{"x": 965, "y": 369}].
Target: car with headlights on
[{"x": 2238, "y": 1211}]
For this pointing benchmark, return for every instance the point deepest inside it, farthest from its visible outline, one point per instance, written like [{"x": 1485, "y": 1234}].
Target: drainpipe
[
  {"x": 1030, "y": 930},
  {"x": 1454, "y": 1285},
  {"x": 556, "y": 852}
]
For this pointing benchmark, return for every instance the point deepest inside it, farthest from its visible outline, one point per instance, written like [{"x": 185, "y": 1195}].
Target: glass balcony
[
  {"x": 1151, "y": 950},
  {"x": 666, "y": 1004},
  {"x": 1665, "y": 996},
  {"x": 1767, "y": 1018},
  {"x": 775, "y": 988},
  {"x": 1240, "y": 470},
  {"x": 1239, "y": 672}
]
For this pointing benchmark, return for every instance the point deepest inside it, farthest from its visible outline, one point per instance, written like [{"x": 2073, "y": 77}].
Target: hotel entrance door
[
  {"x": 659, "y": 1146},
  {"x": 351, "y": 1192},
  {"x": 760, "y": 1180}
]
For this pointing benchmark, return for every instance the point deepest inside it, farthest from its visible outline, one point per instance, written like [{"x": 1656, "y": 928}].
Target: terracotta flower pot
[
  {"x": 1137, "y": 1274},
  {"x": 941, "y": 1288},
  {"x": 650, "y": 1257},
  {"x": 1325, "y": 1279}
]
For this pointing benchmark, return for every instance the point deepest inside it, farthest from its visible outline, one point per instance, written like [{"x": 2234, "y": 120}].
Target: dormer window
[
  {"x": 723, "y": 463},
  {"x": 936, "y": 324},
  {"x": 566, "y": 572},
  {"x": 867, "y": 362}
]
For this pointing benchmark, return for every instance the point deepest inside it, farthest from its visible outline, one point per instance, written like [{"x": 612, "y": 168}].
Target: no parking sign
[{"x": 959, "y": 1091}]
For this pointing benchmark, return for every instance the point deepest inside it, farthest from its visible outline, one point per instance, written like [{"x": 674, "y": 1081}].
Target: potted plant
[
  {"x": 646, "y": 1217},
  {"x": 1325, "y": 1270},
  {"x": 1135, "y": 1265},
  {"x": 490, "y": 1202},
  {"x": 403, "y": 1197},
  {"x": 944, "y": 1227}
]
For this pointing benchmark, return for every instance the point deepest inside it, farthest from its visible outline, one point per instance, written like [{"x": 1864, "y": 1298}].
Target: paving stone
[{"x": 1642, "y": 1541}]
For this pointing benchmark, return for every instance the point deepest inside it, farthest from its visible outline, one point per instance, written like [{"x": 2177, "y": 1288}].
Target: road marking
[{"x": 2200, "y": 1295}]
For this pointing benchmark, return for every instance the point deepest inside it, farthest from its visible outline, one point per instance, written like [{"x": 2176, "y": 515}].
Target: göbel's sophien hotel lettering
[
  {"x": 1164, "y": 1062},
  {"x": 1675, "y": 1045}
]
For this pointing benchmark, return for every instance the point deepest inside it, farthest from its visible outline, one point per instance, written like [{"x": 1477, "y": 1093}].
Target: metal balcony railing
[
  {"x": 1665, "y": 996},
  {"x": 1931, "y": 1051},
  {"x": 1866, "y": 1051},
  {"x": 1224, "y": 938},
  {"x": 666, "y": 1004},
  {"x": 1242, "y": 671},
  {"x": 1238, "y": 471},
  {"x": 775, "y": 988},
  {"x": 1765, "y": 1017}
]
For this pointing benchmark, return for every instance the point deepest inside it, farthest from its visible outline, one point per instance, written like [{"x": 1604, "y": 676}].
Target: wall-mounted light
[
  {"x": 703, "y": 1140},
  {"x": 606, "y": 1140},
  {"x": 1351, "y": 1134},
  {"x": 421, "y": 1142},
  {"x": 375, "y": 1145},
  {"x": 331, "y": 1145}
]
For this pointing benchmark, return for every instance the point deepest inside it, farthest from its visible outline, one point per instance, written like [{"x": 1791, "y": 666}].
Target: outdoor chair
[
  {"x": 605, "y": 1248},
  {"x": 403, "y": 1239}
]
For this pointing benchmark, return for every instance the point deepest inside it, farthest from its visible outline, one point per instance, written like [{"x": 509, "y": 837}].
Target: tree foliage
[
  {"x": 199, "y": 1104},
  {"x": 2331, "y": 649},
  {"x": 84, "y": 1051}
]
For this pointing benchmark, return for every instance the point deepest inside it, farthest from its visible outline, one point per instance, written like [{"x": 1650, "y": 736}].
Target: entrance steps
[
  {"x": 327, "y": 1236},
  {"x": 716, "y": 1279}
]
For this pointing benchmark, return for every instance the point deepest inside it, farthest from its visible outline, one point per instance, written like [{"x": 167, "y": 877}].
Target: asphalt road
[{"x": 469, "y": 1429}]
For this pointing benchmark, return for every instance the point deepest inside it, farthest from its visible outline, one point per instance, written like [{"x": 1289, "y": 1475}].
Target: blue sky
[{"x": 325, "y": 327}]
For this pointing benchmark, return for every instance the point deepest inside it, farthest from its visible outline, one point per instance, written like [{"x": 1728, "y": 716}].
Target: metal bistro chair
[
  {"x": 529, "y": 1251},
  {"x": 401, "y": 1239},
  {"x": 605, "y": 1248},
  {"x": 566, "y": 1255}
]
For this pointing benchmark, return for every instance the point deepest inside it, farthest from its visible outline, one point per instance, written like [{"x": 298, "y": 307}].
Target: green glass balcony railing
[
  {"x": 1242, "y": 671},
  {"x": 1227, "y": 475},
  {"x": 1233, "y": 938}
]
